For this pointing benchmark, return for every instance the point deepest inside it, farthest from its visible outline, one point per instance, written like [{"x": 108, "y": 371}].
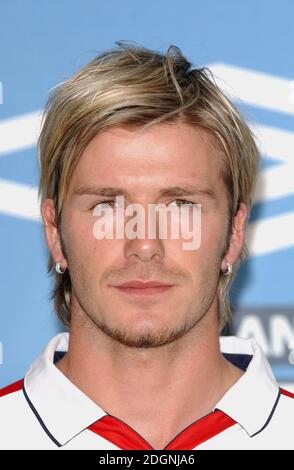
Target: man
[{"x": 143, "y": 365}]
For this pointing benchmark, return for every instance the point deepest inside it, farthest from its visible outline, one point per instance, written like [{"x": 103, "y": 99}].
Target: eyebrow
[{"x": 175, "y": 191}]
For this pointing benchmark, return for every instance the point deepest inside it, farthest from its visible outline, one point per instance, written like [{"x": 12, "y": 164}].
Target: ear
[
  {"x": 51, "y": 232},
  {"x": 237, "y": 238}
]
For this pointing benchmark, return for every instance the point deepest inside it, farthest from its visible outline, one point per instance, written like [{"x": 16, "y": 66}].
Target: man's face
[{"x": 144, "y": 164}]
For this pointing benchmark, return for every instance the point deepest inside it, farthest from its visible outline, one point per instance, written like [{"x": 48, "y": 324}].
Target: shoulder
[
  {"x": 19, "y": 428},
  {"x": 11, "y": 389},
  {"x": 285, "y": 406},
  {"x": 11, "y": 403},
  {"x": 280, "y": 426}
]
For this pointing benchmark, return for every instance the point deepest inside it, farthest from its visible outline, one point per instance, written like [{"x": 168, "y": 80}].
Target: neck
[{"x": 169, "y": 387}]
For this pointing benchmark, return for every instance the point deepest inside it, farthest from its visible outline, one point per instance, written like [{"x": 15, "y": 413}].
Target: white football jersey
[{"x": 45, "y": 410}]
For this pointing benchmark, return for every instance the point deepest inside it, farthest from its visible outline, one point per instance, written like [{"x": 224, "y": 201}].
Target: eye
[
  {"x": 105, "y": 203},
  {"x": 183, "y": 201}
]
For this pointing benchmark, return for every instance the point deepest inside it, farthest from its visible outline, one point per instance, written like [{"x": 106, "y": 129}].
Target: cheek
[
  {"x": 204, "y": 262},
  {"x": 82, "y": 247},
  {"x": 213, "y": 234}
]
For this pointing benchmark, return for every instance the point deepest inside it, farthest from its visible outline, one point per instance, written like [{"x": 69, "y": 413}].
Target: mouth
[{"x": 138, "y": 288}]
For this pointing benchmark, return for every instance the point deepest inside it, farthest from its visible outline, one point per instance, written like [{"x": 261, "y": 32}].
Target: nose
[
  {"x": 145, "y": 249},
  {"x": 143, "y": 246}
]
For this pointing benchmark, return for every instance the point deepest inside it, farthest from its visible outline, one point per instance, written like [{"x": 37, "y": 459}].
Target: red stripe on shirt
[
  {"x": 119, "y": 433},
  {"x": 200, "y": 431},
  {"x": 14, "y": 387},
  {"x": 126, "y": 438},
  {"x": 286, "y": 392}
]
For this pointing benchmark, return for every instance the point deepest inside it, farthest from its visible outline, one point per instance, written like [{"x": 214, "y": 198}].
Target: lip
[
  {"x": 143, "y": 285},
  {"x": 139, "y": 288}
]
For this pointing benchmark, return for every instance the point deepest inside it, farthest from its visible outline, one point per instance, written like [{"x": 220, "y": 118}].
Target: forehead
[{"x": 167, "y": 153}]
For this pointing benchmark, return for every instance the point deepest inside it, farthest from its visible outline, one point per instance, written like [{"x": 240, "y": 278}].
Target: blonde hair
[{"x": 132, "y": 85}]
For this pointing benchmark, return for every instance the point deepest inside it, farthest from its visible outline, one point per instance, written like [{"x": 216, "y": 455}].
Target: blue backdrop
[{"x": 249, "y": 47}]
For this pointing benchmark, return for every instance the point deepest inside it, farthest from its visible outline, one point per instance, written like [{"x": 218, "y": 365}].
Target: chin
[{"x": 139, "y": 321}]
